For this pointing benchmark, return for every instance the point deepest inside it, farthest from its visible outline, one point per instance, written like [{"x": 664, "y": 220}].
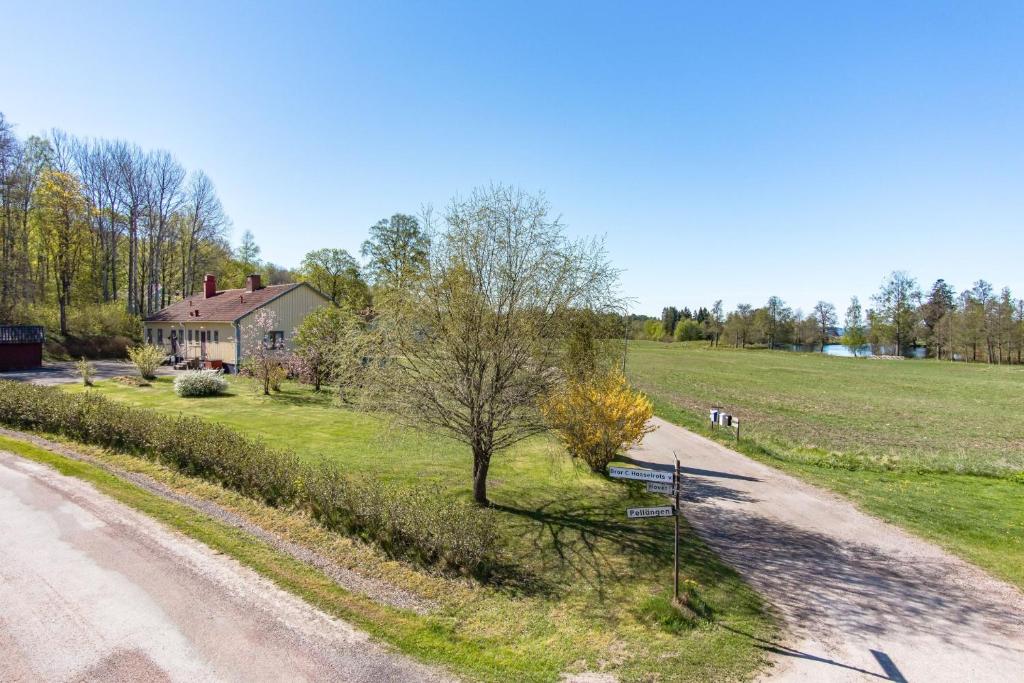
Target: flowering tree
[{"x": 264, "y": 359}]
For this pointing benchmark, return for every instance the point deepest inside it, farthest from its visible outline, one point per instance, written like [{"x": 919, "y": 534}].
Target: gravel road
[
  {"x": 64, "y": 372},
  {"x": 862, "y": 599},
  {"x": 92, "y": 590}
]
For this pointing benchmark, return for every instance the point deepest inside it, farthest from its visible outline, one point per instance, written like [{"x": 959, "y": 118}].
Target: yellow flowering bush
[{"x": 596, "y": 418}]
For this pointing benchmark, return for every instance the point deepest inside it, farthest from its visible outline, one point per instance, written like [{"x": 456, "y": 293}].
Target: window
[
  {"x": 160, "y": 336},
  {"x": 190, "y": 336},
  {"x": 216, "y": 336},
  {"x": 274, "y": 339},
  {"x": 149, "y": 336}
]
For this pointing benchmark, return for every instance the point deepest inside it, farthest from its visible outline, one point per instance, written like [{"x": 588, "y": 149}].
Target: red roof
[{"x": 226, "y": 306}]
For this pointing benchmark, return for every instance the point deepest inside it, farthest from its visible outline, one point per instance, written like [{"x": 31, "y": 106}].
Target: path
[
  {"x": 92, "y": 590},
  {"x": 65, "y": 372},
  {"x": 862, "y": 599}
]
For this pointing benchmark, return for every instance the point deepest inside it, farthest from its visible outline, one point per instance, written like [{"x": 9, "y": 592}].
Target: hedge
[{"x": 416, "y": 523}]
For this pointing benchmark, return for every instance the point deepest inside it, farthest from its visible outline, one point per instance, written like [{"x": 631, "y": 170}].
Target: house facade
[{"x": 207, "y": 329}]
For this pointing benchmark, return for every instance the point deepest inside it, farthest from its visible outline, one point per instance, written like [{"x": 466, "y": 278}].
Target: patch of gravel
[{"x": 374, "y": 589}]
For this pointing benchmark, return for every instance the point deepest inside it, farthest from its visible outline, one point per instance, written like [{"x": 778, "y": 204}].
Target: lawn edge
[{"x": 421, "y": 638}]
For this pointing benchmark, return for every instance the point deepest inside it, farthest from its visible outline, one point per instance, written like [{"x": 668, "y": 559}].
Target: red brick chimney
[
  {"x": 252, "y": 283},
  {"x": 209, "y": 285}
]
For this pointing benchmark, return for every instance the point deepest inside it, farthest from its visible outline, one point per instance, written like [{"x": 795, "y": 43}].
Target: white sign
[
  {"x": 639, "y": 474},
  {"x": 658, "y": 487},
  {"x": 660, "y": 511}
]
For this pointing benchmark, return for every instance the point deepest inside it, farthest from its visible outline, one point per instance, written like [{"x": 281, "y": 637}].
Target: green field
[
  {"x": 935, "y": 447},
  {"x": 597, "y": 596}
]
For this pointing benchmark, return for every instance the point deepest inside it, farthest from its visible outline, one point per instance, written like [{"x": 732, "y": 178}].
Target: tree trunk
[{"x": 481, "y": 462}]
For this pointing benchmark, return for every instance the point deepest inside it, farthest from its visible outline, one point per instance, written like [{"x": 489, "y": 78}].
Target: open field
[
  {"x": 597, "y": 600},
  {"x": 935, "y": 447}
]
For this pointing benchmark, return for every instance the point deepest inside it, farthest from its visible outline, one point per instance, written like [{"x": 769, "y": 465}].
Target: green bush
[
  {"x": 86, "y": 371},
  {"x": 419, "y": 524},
  {"x": 147, "y": 358},
  {"x": 193, "y": 383},
  {"x": 688, "y": 330}
]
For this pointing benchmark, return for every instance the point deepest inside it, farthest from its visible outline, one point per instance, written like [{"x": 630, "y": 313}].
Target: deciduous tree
[{"x": 478, "y": 337}]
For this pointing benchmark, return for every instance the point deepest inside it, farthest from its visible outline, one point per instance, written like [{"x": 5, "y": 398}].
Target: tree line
[
  {"x": 978, "y": 324},
  {"x": 104, "y": 228}
]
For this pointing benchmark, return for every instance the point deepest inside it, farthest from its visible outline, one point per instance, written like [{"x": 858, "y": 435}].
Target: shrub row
[{"x": 414, "y": 523}]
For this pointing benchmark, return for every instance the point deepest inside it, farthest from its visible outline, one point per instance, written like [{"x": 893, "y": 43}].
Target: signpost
[
  {"x": 640, "y": 474},
  {"x": 657, "y": 481},
  {"x": 660, "y": 511}
]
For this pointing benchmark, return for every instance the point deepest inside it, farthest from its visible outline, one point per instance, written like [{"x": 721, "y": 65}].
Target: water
[{"x": 863, "y": 352}]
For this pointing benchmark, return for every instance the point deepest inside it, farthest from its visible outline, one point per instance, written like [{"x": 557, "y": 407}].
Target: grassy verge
[
  {"x": 599, "y": 599},
  {"x": 913, "y": 442}
]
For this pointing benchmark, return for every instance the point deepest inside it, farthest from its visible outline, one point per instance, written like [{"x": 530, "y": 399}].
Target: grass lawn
[
  {"x": 935, "y": 447},
  {"x": 598, "y": 601}
]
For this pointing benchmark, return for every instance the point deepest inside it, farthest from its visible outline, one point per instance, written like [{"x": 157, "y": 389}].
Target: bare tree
[
  {"x": 477, "y": 337},
  {"x": 133, "y": 184},
  {"x": 165, "y": 198},
  {"x": 202, "y": 219}
]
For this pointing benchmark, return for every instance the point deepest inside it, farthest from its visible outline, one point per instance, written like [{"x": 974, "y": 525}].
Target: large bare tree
[{"x": 478, "y": 336}]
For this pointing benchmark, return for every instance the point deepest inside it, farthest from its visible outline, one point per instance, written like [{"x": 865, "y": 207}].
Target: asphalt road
[
  {"x": 91, "y": 590},
  {"x": 863, "y": 600},
  {"x": 64, "y": 372}
]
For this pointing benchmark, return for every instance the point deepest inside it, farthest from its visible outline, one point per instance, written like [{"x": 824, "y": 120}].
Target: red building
[{"x": 21, "y": 347}]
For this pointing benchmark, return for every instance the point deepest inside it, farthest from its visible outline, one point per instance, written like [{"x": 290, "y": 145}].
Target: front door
[{"x": 202, "y": 345}]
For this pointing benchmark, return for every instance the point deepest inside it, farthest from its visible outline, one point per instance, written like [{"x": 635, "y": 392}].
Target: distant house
[{"x": 206, "y": 329}]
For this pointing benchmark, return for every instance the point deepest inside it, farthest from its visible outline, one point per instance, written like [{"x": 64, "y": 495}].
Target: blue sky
[{"x": 726, "y": 150}]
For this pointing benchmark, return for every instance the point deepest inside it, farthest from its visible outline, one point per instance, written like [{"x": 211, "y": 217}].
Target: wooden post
[{"x": 677, "y": 482}]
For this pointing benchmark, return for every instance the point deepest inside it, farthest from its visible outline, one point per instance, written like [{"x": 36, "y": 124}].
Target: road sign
[
  {"x": 639, "y": 474},
  {"x": 660, "y": 511},
  {"x": 659, "y": 487}
]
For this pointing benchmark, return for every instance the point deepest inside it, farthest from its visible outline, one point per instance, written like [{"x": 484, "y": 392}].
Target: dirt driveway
[
  {"x": 91, "y": 590},
  {"x": 64, "y": 372},
  {"x": 862, "y": 599}
]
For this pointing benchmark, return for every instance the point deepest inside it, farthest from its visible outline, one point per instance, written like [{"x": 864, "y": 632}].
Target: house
[
  {"x": 207, "y": 329},
  {"x": 21, "y": 347}
]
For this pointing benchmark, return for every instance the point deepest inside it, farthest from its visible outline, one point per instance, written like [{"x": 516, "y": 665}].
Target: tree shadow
[
  {"x": 587, "y": 540},
  {"x": 822, "y": 584}
]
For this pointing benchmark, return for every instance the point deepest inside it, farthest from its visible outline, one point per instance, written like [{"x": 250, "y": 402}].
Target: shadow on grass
[
  {"x": 593, "y": 542},
  {"x": 303, "y": 399}
]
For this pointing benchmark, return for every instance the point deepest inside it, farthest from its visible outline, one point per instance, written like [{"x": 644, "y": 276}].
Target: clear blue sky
[{"x": 726, "y": 151}]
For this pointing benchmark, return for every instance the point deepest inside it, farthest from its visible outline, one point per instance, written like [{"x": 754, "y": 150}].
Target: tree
[
  {"x": 941, "y": 300},
  {"x": 716, "y": 321},
  {"x": 335, "y": 273},
  {"x": 688, "y": 330},
  {"x": 775, "y": 319},
  {"x": 475, "y": 340},
  {"x": 396, "y": 251},
  {"x": 854, "y": 334},
  {"x": 825, "y": 316},
  {"x": 248, "y": 253},
  {"x": 805, "y": 330},
  {"x": 325, "y": 343},
  {"x": 202, "y": 220},
  {"x": 669, "y": 317},
  {"x": 62, "y": 220},
  {"x": 897, "y": 308},
  {"x": 263, "y": 359}
]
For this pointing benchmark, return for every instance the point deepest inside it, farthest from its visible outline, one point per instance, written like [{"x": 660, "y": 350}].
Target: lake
[{"x": 863, "y": 352}]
